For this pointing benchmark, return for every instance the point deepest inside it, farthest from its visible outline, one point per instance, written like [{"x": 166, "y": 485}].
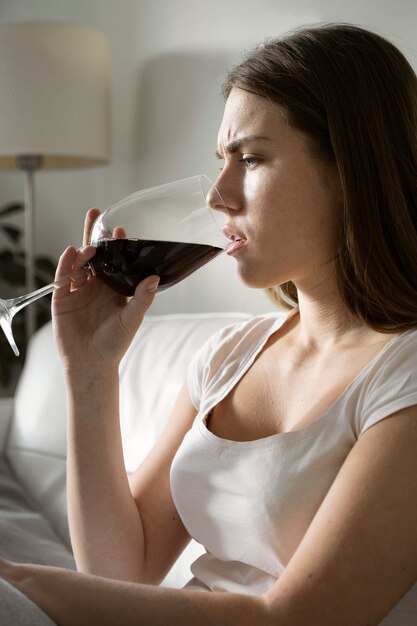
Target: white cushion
[{"x": 151, "y": 375}]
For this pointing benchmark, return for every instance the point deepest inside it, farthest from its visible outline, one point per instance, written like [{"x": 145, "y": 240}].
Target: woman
[{"x": 290, "y": 452}]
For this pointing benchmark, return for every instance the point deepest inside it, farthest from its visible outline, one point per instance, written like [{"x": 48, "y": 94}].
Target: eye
[{"x": 250, "y": 161}]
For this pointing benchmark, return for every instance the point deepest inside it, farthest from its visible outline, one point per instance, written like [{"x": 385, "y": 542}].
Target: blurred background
[{"x": 168, "y": 61}]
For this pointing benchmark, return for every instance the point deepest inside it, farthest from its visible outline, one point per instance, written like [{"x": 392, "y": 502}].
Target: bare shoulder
[{"x": 359, "y": 555}]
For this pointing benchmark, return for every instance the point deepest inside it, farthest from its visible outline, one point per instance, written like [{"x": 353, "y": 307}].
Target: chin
[
  {"x": 254, "y": 281},
  {"x": 256, "y": 277}
]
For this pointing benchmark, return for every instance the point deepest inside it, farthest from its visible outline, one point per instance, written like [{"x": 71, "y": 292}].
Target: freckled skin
[{"x": 277, "y": 194}]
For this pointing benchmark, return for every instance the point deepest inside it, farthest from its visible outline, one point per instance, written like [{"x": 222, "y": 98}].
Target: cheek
[
  {"x": 262, "y": 193},
  {"x": 271, "y": 209},
  {"x": 253, "y": 188}
]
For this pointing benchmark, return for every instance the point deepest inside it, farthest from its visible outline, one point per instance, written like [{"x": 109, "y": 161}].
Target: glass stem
[{"x": 16, "y": 304}]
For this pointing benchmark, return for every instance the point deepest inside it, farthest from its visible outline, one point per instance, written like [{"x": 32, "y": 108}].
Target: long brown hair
[{"x": 354, "y": 96}]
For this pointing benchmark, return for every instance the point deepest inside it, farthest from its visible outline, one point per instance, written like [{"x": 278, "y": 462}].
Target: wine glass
[{"x": 168, "y": 230}]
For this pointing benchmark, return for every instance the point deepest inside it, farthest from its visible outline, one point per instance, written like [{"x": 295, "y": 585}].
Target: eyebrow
[{"x": 236, "y": 144}]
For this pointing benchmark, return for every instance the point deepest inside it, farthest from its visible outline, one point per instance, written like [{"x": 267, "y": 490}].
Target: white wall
[{"x": 168, "y": 59}]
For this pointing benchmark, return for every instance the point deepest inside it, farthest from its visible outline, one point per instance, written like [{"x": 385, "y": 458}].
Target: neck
[{"x": 325, "y": 322}]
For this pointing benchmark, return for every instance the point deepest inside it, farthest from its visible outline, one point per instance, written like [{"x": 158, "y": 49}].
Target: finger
[
  {"x": 119, "y": 232},
  {"x": 84, "y": 255},
  {"x": 64, "y": 267},
  {"x": 90, "y": 218},
  {"x": 134, "y": 312}
]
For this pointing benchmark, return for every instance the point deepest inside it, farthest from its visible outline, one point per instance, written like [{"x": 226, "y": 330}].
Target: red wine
[{"x": 123, "y": 263}]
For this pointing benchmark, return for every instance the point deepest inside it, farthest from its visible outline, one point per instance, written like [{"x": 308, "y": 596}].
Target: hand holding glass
[{"x": 167, "y": 230}]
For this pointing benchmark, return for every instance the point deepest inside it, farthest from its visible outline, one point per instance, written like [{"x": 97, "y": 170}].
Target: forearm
[
  {"x": 105, "y": 526},
  {"x": 74, "y": 599}
]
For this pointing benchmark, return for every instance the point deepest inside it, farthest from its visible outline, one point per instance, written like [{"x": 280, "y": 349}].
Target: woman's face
[{"x": 282, "y": 204}]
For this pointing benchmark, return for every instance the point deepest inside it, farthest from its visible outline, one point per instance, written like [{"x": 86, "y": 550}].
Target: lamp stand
[{"x": 29, "y": 164}]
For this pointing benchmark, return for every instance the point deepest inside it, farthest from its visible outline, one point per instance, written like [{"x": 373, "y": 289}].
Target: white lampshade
[{"x": 54, "y": 94}]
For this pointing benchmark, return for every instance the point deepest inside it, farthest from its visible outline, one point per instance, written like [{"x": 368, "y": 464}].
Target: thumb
[{"x": 134, "y": 312}]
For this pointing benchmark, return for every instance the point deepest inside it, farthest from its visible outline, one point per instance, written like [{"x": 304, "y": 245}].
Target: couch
[{"x": 33, "y": 514}]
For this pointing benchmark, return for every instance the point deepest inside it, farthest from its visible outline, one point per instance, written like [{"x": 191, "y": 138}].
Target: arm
[
  {"x": 359, "y": 555},
  {"x": 112, "y": 531},
  {"x": 121, "y": 530},
  {"x": 74, "y": 599},
  {"x": 356, "y": 561}
]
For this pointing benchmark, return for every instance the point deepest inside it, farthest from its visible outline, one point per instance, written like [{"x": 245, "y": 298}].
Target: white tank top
[{"x": 250, "y": 503}]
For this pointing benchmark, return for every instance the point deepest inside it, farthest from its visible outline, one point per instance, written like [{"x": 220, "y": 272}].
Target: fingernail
[{"x": 153, "y": 285}]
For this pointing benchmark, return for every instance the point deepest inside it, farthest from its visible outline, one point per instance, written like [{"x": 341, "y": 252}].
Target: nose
[
  {"x": 215, "y": 200},
  {"x": 223, "y": 194}
]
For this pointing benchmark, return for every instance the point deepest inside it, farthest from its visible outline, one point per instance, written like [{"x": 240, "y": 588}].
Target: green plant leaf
[
  {"x": 11, "y": 207},
  {"x": 12, "y": 269},
  {"x": 12, "y": 232},
  {"x": 8, "y": 361},
  {"x": 13, "y": 273},
  {"x": 45, "y": 268},
  {"x": 6, "y": 255}
]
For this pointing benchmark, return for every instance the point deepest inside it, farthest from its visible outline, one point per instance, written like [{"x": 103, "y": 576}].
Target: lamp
[{"x": 54, "y": 108}]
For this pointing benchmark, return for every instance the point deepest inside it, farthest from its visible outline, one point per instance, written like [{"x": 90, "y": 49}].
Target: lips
[{"x": 237, "y": 240}]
